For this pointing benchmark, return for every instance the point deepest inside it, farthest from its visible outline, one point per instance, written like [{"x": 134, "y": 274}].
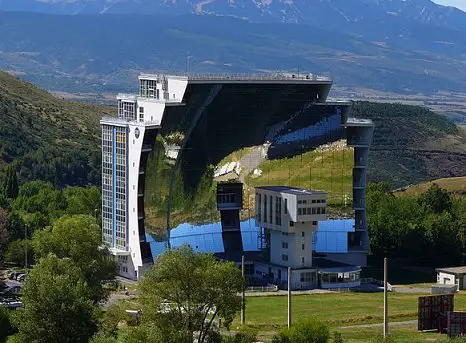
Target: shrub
[
  {"x": 337, "y": 338},
  {"x": 308, "y": 331},
  {"x": 245, "y": 335}
]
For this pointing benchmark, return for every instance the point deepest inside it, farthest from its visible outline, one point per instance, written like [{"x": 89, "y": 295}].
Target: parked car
[
  {"x": 14, "y": 275},
  {"x": 18, "y": 275},
  {"x": 22, "y": 277}
]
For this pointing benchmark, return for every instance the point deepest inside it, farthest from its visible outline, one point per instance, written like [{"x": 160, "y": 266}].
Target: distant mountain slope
[
  {"x": 57, "y": 140},
  {"x": 325, "y": 13},
  {"x": 97, "y": 53},
  {"x": 49, "y": 138},
  {"x": 412, "y": 144}
]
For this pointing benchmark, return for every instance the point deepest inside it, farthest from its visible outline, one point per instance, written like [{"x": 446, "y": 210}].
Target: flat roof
[
  {"x": 291, "y": 190},
  {"x": 452, "y": 270},
  {"x": 269, "y": 78}
]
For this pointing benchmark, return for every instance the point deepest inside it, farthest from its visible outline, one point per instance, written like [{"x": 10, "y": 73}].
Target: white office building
[{"x": 289, "y": 218}]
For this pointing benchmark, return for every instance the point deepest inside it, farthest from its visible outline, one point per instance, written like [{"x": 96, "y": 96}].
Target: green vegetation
[
  {"x": 5, "y": 324},
  {"x": 335, "y": 309},
  {"x": 430, "y": 227},
  {"x": 193, "y": 289},
  {"x": 57, "y": 304},
  {"x": 48, "y": 138},
  {"x": 401, "y": 151},
  {"x": 10, "y": 182},
  {"x": 454, "y": 185},
  {"x": 78, "y": 238},
  {"x": 329, "y": 170},
  {"x": 65, "y": 286},
  {"x": 309, "y": 331}
]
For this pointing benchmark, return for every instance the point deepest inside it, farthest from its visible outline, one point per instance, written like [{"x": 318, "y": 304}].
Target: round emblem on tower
[{"x": 136, "y": 133}]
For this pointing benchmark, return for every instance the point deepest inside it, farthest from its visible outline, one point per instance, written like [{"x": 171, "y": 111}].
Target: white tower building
[
  {"x": 290, "y": 215},
  {"x": 126, "y": 142}
]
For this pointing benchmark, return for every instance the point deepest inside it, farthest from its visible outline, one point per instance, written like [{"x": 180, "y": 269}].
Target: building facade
[
  {"x": 126, "y": 142},
  {"x": 289, "y": 218},
  {"x": 157, "y": 150}
]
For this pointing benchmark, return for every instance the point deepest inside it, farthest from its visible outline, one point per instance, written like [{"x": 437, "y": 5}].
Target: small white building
[{"x": 452, "y": 276}]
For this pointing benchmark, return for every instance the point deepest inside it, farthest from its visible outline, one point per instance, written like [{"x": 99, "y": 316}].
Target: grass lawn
[
  {"x": 401, "y": 334},
  {"x": 335, "y": 309},
  {"x": 330, "y": 171}
]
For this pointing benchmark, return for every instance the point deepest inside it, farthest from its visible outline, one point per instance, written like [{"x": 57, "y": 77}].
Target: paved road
[{"x": 374, "y": 325}]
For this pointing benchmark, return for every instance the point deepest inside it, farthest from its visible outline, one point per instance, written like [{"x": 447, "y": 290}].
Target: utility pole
[
  {"x": 385, "y": 299},
  {"x": 289, "y": 297},
  {"x": 243, "y": 295}
]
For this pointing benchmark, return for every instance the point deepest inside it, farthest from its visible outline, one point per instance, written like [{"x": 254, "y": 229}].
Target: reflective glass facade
[{"x": 114, "y": 186}]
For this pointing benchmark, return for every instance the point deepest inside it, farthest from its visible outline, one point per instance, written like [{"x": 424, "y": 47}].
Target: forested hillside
[
  {"x": 49, "y": 138},
  {"x": 58, "y": 141},
  {"x": 410, "y": 144}
]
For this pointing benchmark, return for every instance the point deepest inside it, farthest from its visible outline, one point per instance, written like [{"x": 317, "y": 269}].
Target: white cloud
[{"x": 461, "y": 4}]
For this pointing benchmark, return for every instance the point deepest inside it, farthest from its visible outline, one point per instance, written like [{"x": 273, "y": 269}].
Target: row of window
[
  {"x": 267, "y": 214},
  {"x": 314, "y": 201},
  {"x": 285, "y": 259},
  {"x": 340, "y": 277},
  {"x": 126, "y": 109},
  {"x": 310, "y": 210},
  {"x": 285, "y": 246}
]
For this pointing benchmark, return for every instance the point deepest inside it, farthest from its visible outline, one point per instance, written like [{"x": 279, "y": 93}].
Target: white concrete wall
[
  {"x": 294, "y": 251},
  {"x": 292, "y": 209},
  {"x": 134, "y": 155},
  {"x": 446, "y": 279},
  {"x": 153, "y": 109},
  {"x": 176, "y": 87}
]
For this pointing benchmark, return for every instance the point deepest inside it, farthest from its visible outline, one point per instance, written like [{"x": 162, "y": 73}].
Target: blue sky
[{"x": 457, "y": 3}]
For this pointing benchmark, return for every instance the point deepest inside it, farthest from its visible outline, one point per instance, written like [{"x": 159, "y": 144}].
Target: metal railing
[
  {"x": 244, "y": 76},
  {"x": 262, "y": 289},
  {"x": 257, "y": 77},
  {"x": 118, "y": 120}
]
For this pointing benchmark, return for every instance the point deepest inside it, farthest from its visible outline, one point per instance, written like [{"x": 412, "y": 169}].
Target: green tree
[
  {"x": 38, "y": 204},
  {"x": 16, "y": 254},
  {"x": 10, "y": 182},
  {"x": 5, "y": 324},
  {"x": 58, "y": 304},
  {"x": 308, "y": 331},
  {"x": 185, "y": 292},
  {"x": 79, "y": 239},
  {"x": 82, "y": 200},
  {"x": 4, "y": 237},
  {"x": 436, "y": 200}
]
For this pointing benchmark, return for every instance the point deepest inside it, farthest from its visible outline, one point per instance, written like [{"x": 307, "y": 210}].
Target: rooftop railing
[
  {"x": 118, "y": 120},
  {"x": 245, "y": 77},
  {"x": 126, "y": 96}
]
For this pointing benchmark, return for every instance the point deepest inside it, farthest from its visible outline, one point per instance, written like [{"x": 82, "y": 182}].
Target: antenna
[{"x": 187, "y": 62}]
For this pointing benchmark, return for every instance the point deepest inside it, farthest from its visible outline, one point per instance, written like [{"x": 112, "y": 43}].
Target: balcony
[{"x": 126, "y": 121}]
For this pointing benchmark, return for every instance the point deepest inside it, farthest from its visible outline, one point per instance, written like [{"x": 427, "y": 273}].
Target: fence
[{"x": 272, "y": 288}]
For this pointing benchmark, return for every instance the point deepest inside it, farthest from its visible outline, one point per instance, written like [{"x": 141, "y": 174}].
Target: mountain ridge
[{"x": 295, "y": 11}]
